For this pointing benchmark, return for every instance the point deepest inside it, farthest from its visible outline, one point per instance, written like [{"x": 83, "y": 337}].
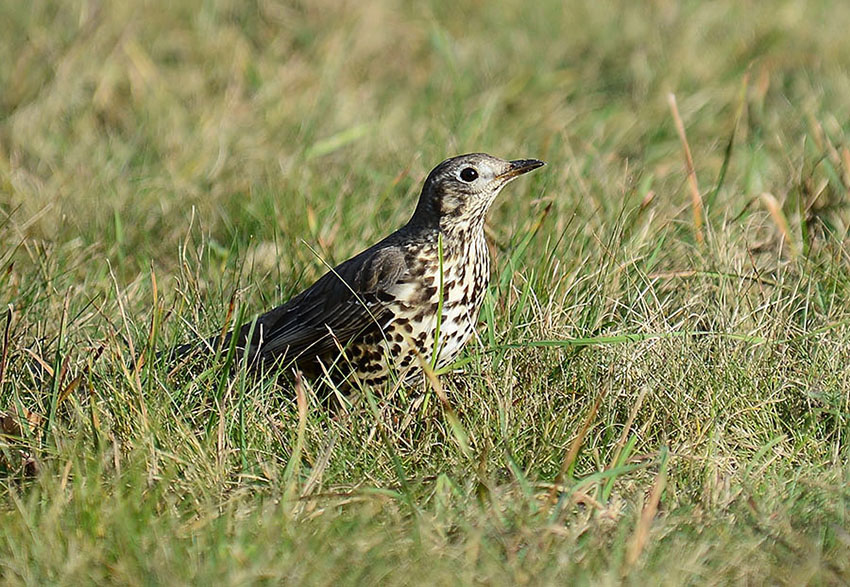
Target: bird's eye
[{"x": 468, "y": 174}]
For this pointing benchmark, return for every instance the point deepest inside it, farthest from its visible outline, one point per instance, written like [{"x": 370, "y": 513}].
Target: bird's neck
[
  {"x": 462, "y": 239},
  {"x": 457, "y": 233},
  {"x": 462, "y": 228}
]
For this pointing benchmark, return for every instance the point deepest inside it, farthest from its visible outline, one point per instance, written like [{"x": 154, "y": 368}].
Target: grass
[{"x": 658, "y": 392}]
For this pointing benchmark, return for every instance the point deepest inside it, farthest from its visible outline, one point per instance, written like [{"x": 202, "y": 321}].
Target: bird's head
[{"x": 459, "y": 191}]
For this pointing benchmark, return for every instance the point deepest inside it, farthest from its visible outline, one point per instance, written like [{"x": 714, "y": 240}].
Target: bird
[{"x": 410, "y": 300}]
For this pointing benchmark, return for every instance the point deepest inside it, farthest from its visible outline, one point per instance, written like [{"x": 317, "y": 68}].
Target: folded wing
[{"x": 344, "y": 303}]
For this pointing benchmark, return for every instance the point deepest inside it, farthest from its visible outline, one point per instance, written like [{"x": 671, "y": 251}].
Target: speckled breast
[{"x": 409, "y": 334}]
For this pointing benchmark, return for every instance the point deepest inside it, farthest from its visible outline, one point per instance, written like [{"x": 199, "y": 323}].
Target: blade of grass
[
  {"x": 640, "y": 537},
  {"x": 626, "y": 338},
  {"x": 396, "y": 461},
  {"x": 57, "y": 371},
  {"x": 435, "y": 355},
  {"x": 520, "y": 250},
  {"x": 696, "y": 199},
  {"x": 293, "y": 466},
  {"x": 775, "y": 210},
  {"x": 243, "y": 375},
  {"x": 727, "y": 153},
  {"x": 4, "y": 353},
  {"x": 621, "y": 442},
  {"x": 224, "y": 374},
  {"x": 460, "y": 434},
  {"x": 570, "y": 458},
  {"x": 337, "y": 141}
]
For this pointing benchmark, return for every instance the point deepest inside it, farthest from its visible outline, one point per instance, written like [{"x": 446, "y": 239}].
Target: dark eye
[{"x": 468, "y": 174}]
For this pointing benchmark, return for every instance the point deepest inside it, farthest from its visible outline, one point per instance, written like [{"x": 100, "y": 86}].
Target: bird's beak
[{"x": 521, "y": 166}]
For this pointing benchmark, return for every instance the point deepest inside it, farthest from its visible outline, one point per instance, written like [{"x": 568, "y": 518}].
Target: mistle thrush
[{"x": 386, "y": 311}]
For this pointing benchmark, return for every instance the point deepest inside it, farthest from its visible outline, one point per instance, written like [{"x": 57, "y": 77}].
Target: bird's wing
[{"x": 342, "y": 303}]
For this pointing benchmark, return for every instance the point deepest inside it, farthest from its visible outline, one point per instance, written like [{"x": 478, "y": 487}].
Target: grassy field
[{"x": 660, "y": 388}]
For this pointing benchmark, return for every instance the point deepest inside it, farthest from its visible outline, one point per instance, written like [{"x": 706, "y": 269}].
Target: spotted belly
[
  {"x": 408, "y": 337},
  {"x": 407, "y": 344}
]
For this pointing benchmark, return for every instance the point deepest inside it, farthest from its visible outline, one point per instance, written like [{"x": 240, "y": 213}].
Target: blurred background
[{"x": 120, "y": 122}]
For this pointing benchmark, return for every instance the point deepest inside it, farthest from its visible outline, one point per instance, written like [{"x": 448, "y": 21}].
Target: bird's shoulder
[{"x": 377, "y": 269}]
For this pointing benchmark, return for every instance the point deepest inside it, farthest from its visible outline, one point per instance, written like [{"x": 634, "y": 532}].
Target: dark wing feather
[{"x": 345, "y": 302}]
